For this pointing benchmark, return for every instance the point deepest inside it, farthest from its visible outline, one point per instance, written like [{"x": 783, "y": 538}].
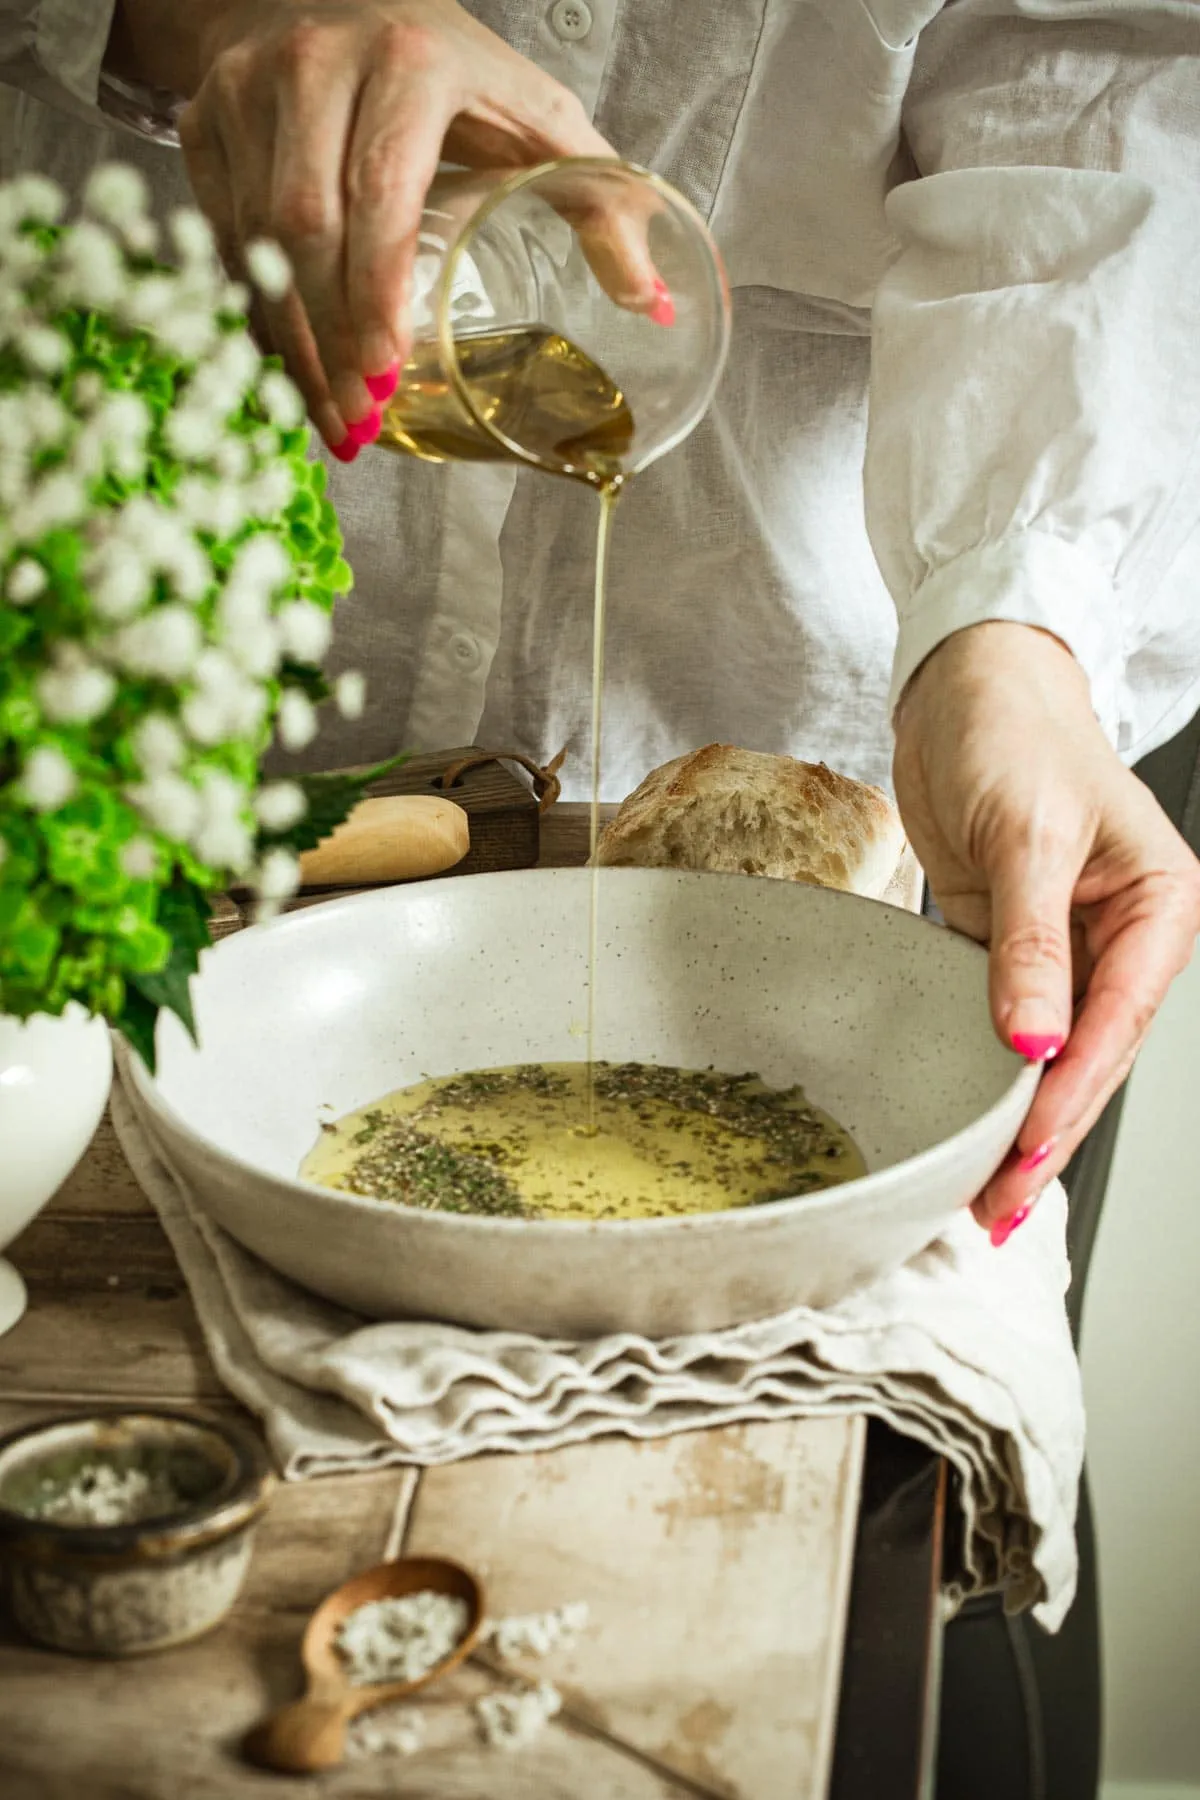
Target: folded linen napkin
[{"x": 966, "y": 1348}]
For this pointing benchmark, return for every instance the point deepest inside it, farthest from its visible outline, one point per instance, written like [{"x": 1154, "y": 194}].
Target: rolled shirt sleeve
[
  {"x": 54, "y": 50},
  {"x": 1035, "y": 390}
]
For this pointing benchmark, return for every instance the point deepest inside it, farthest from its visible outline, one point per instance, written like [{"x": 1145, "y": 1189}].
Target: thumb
[
  {"x": 1030, "y": 951},
  {"x": 611, "y": 214}
]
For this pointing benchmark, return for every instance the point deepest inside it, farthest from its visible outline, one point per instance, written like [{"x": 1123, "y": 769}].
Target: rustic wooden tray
[{"x": 503, "y": 811}]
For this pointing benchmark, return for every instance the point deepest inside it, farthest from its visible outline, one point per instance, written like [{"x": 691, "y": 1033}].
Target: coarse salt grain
[
  {"x": 103, "y": 1494},
  {"x": 510, "y": 1721},
  {"x": 536, "y": 1634},
  {"x": 400, "y": 1730},
  {"x": 401, "y": 1639},
  {"x": 506, "y": 1720}
]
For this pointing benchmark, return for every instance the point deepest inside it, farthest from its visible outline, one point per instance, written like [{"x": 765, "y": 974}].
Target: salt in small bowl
[{"x": 138, "y": 1583}]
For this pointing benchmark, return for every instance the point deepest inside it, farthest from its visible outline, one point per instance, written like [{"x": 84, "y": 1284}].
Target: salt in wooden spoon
[{"x": 310, "y": 1734}]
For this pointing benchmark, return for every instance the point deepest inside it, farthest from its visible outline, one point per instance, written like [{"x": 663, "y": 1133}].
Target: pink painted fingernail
[
  {"x": 1038, "y": 1046},
  {"x": 663, "y": 310},
  {"x": 382, "y": 387},
  {"x": 366, "y": 430},
  {"x": 347, "y": 450},
  {"x": 1036, "y": 1157},
  {"x": 1003, "y": 1229}
]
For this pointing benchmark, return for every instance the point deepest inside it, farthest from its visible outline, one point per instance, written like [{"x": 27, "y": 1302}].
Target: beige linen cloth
[{"x": 965, "y": 1348}]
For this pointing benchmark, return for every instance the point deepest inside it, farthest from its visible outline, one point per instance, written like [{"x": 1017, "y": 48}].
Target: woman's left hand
[{"x": 1040, "y": 843}]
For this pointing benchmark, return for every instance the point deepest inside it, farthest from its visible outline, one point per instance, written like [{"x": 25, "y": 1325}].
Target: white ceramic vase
[{"x": 54, "y": 1082}]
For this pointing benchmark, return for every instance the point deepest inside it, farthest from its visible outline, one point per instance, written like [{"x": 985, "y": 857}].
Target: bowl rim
[
  {"x": 155, "y": 1539},
  {"x": 131, "y": 1066}
]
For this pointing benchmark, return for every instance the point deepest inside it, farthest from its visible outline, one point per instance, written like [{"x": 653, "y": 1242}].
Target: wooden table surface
[{"x": 718, "y": 1566}]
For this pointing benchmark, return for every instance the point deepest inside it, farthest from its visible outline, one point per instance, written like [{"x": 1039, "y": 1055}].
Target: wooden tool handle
[
  {"x": 399, "y": 837},
  {"x": 301, "y": 1738}
]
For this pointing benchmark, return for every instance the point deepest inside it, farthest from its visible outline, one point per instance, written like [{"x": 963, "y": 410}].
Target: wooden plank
[
  {"x": 170, "y": 1728},
  {"x": 716, "y": 1566},
  {"x": 170, "y": 1725},
  {"x": 565, "y": 831},
  {"x": 318, "y": 1534},
  {"x": 224, "y": 917},
  {"x": 102, "y": 1183},
  {"x": 109, "y": 1315}
]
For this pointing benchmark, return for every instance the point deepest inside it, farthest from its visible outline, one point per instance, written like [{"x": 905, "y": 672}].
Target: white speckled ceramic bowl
[{"x": 881, "y": 1015}]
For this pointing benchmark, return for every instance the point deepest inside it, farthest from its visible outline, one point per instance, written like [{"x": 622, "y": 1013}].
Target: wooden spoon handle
[
  {"x": 395, "y": 837},
  {"x": 308, "y": 1735}
]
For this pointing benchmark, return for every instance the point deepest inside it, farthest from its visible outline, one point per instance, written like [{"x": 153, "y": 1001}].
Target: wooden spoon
[{"x": 310, "y": 1734}]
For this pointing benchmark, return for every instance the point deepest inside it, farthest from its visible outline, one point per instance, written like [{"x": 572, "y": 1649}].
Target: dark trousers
[{"x": 1021, "y": 1710}]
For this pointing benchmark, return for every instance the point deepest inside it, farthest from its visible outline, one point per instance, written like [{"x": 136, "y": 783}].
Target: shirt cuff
[
  {"x": 146, "y": 111},
  {"x": 1033, "y": 579},
  {"x": 69, "y": 39},
  {"x": 54, "y": 50}
]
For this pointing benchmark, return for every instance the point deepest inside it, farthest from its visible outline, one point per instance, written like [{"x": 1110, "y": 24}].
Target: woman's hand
[
  {"x": 1040, "y": 843},
  {"x": 319, "y": 124}
]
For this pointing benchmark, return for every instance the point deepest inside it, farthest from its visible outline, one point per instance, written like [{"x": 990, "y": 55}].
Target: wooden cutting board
[{"x": 501, "y": 808}]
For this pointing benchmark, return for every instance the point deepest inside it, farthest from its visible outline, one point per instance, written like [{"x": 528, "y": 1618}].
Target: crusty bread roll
[{"x": 743, "y": 811}]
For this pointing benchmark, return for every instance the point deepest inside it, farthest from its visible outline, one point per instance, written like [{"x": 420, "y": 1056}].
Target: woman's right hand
[{"x": 320, "y": 125}]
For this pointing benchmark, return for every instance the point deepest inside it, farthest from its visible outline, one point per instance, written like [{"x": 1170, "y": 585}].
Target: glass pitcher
[{"x": 574, "y": 317}]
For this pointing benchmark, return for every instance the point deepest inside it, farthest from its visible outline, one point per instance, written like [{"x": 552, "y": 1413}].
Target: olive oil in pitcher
[{"x": 529, "y": 387}]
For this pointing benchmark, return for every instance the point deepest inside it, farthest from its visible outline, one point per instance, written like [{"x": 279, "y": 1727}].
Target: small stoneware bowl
[{"x": 127, "y": 1532}]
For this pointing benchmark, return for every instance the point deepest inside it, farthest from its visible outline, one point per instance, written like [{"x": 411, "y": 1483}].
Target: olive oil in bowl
[{"x": 509, "y": 1143}]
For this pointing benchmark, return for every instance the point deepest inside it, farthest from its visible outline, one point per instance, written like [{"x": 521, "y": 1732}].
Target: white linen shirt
[{"x": 964, "y": 246}]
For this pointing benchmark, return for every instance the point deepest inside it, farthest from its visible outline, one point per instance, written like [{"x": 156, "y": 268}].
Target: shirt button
[
  {"x": 572, "y": 19},
  {"x": 465, "y": 651}
]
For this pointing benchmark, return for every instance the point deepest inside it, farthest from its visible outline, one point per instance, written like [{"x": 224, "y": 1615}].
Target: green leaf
[
  {"x": 137, "y": 1019},
  {"x": 183, "y": 912},
  {"x": 309, "y": 679},
  {"x": 183, "y": 915},
  {"x": 13, "y": 627}
]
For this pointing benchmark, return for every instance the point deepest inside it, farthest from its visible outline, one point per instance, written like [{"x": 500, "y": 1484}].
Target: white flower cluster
[{"x": 145, "y": 563}]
